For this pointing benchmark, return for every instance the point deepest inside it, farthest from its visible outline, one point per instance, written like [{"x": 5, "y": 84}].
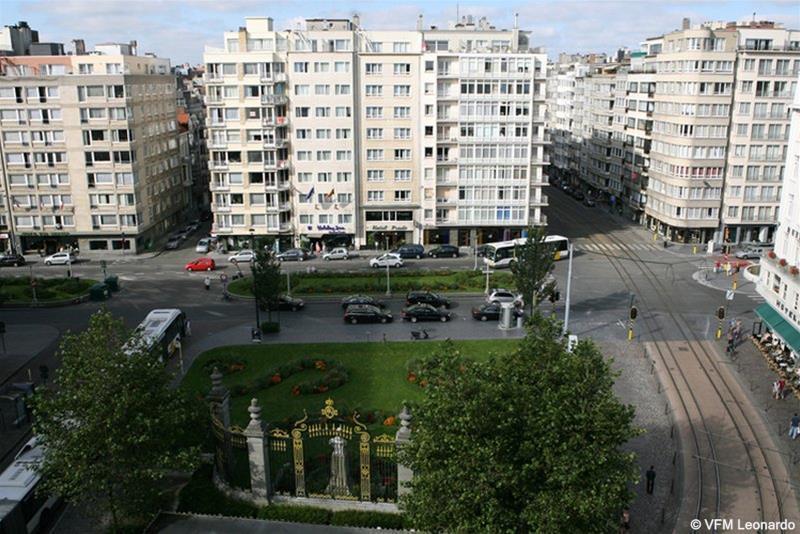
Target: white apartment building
[
  {"x": 90, "y": 155},
  {"x": 779, "y": 281},
  {"x": 376, "y": 137}
]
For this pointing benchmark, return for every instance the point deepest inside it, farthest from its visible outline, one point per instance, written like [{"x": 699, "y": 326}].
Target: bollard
[
  {"x": 666, "y": 408},
  {"x": 674, "y": 457},
  {"x": 659, "y": 386},
  {"x": 672, "y": 435}
]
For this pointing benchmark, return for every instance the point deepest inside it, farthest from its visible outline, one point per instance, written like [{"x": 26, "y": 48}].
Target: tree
[
  {"x": 531, "y": 270},
  {"x": 111, "y": 425},
  {"x": 526, "y": 442},
  {"x": 266, "y": 280}
]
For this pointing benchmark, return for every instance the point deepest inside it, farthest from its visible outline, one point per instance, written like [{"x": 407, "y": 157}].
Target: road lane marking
[{"x": 215, "y": 313}]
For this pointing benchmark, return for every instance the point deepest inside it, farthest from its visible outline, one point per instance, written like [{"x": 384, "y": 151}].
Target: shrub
[
  {"x": 356, "y": 518},
  {"x": 200, "y": 496},
  {"x": 270, "y": 327},
  {"x": 296, "y": 514}
]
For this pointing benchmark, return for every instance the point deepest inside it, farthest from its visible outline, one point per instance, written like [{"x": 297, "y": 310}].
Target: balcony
[
  {"x": 285, "y": 206},
  {"x": 282, "y": 121},
  {"x": 285, "y": 227},
  {"x": 219, "y": 208},
  {"x": 447, "y": 161},
  {"x": 279, "y": 77},
  {"x": 218, "y": 165},
  {"x": 220, "y": 187},
  {"x": 274, "y": 100},
  {"x": 447, "y": 139},
  {"x": 282, "y": 164}
]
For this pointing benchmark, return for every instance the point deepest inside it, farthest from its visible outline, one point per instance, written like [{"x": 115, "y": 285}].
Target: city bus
[
  {"x": 21, "y": 509},
  {"x": 162, "y": 331},
  {"x": 503, "y": 254}
]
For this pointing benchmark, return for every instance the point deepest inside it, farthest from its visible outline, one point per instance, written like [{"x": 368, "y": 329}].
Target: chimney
[
  {"x": 516, "y": 21},
  {"x": 80, "y": 47},
  {"x": 687, "y": 23},
  {"x": 356, "y": 22},
  {"x": 134, "y": 48},
  {"x": 419, "y": 23}
]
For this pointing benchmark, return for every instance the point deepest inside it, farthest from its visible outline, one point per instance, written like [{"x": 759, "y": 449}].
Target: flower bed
[{"x": 334, "y": 375}]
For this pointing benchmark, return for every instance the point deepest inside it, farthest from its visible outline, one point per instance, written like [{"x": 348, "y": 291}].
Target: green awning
[{"x": 775, "y": 321}]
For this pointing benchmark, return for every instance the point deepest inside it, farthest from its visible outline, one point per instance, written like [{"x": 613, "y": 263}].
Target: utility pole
[
  {"x": 569, "y": 288},
  {"x": 388, "y": 282}
]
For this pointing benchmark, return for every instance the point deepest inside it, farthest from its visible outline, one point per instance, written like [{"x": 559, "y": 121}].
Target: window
[
  {"x": 374, "y": 133},
  {"x": 374, "y": 68},
  {"x": 322, "y": 112},
  {"x": 374, "y": 154},
  {"x": 402, "y": 154},
  {"x": 301, "y": 90},
  {"x": 341, "y": 66},
  {"x": 343, "y": 133},
  {"x": 402, "y": 112},
  {"x": 402, "y": 175},
  {"x": 343, "y": 111},
  {"x": 323, "y": 155},
  {"x": 374, "y": 90},
  {"x": 402, "y": 68},
  {"x": 323, "y": 133},
  {"x": 374, "y": 196},
  {"x": 401, "y": 47},
  {"x": 301, "y": 66},
  {"x": 402, "y": 90},
  {"x": 403, "y": 195},
  {"x": 344, "y": 155},
  {"x": 342, "y": 89},
  {"x": 304, "y": 176},
  {"x": 322, "y": 66},
  {"x": 343, "y": 176},
  {"x": 374, "y": 112},
  {"x": 374, "y": 175},
  {"x": 322, "y": 89},
  {"x": 402, "y": 133}
]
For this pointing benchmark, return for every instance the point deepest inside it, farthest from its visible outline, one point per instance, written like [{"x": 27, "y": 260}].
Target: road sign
[{"x": 729, "y": 294}]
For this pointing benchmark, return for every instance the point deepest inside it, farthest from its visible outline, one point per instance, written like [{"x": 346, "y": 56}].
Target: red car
[{"x": 201, "y": 264}]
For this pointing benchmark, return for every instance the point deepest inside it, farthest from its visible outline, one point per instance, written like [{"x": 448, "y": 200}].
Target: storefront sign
[{"x": 330, "y": 228}]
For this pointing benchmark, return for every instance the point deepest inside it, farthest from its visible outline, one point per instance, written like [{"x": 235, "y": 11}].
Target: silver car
[{"x": 339, "y": 253}]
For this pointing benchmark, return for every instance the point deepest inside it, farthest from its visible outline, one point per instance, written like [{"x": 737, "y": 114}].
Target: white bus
[
  {"x": 503, "y": 254},
  {"x": 162, "y": 331},
  {"x": 21, "y": 509}
]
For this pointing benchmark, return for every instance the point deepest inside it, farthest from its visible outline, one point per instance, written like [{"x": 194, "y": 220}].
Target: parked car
[
  {"x": 339, "y": 253},
  {"x": 10, "y": 259},
  {"x": 491, "y": 312},
  {"x": 427, "y": 297},
  {"x": 578, "y": 195},
  {"x": 179, "y": 236},
  {"x": 409, "y": 251},
  {"x": 749, "y": 254},
  {"x": 390, "y": 259},
  {"x": 293, "y": 254},
  {"x": 365, "y": 313},
  {"x": 355, "y": 300},
  {"x": 201, "y": 264},
  {"x": 60, "y": 258},
  {"x": 287, "y": 303},
  {"x": 203, "y": 246},
  {"x": 589, "y": 202},
  {"x": 500, "y": 296},
  {"x": 173, "y": 243},
  {"x": 243, "y": 256},
  {"x": 425, "y": 312},
  {"x": 442, "y": 251}
]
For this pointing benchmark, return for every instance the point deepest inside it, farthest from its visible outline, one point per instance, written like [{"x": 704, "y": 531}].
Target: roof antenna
[{"x": 754, "y": 16}]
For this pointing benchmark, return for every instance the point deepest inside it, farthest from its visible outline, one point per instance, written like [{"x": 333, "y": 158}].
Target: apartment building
[
  {"x": 376, "y": 137},
  {"x": 89, "y": 148},
  {"x": 698, "y": 130},
  {"x": 779, "y": 281}
]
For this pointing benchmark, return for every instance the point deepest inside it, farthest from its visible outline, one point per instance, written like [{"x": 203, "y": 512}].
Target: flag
[
  {"x": 310, "y": 194},
  {"x": 329, "y": 196}
]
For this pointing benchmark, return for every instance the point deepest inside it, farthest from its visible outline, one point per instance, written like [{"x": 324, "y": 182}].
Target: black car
[
  {"x": 11, "y": 259},
  {"x": 491, "y": 312},
  {"x": 287, "y": 303},
  {"x": 361, "y": 299},
  {"x": 293, "y": 254},
  {"x": 409, "y": 251},
  {"x": 444, "y": 251},
  {"x": 425, "y": 312},
  {"x": 365, "y": 313},
  {"x": 426, "y": 297},
  {"x": 578, "y": 195}
]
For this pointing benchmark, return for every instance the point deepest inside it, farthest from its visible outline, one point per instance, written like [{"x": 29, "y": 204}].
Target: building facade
[
  {"x": 374, "y": 138},
  {"x": 90, "y": 156},
  {"x": 779, "y": 281}
]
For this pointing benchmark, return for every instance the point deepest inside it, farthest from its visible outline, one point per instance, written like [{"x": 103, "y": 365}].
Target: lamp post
[
  {"x": 256, "y": 335},
  {"x": 388, "y": 282},
  {"x": 569, "y": 288}
]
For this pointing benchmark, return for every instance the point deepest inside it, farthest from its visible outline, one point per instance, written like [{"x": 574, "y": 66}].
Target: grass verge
[{"x": 18, "y": 290}]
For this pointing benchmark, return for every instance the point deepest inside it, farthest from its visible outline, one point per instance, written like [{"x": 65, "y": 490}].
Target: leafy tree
[
  {"x": 526, "y": 442},
  {"x": 531, "y": 271},
  {"x": 266, "y": 279},
  {"x": 112, "y": 427}
]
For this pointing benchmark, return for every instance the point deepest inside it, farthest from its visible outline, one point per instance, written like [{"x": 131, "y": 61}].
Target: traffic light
[
  {"x": 721, "y": 313},
  {"x": 633, "y": 313}
]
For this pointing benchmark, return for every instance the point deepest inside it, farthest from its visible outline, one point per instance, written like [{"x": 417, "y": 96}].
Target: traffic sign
[{"x": 729, "y": 294}]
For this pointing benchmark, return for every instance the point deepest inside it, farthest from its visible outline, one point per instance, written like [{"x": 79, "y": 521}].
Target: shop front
[{"x": 779, "y": 342}]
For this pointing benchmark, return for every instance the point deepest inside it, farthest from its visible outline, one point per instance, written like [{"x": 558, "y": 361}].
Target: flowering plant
[
  {"x": 793, "y": 270},
  {"x": 782, "y": 262},
  {"x": 771, "y": 255}
]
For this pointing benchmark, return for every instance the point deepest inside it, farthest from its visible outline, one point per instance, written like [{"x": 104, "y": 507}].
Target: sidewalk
[{"x": 722, "y": 282}]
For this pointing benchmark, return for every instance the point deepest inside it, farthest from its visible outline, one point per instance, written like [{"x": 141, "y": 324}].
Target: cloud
[{"x": 178, "y": 29}]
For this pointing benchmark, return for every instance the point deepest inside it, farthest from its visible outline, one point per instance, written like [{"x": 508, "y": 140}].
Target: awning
[{"x": 785, "y": 330}]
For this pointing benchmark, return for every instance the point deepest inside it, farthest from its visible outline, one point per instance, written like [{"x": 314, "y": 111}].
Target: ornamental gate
[{"x": 330, "y": 456}]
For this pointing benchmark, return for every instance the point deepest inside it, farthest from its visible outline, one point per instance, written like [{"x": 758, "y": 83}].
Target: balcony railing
[{"x": 274, "y": 99}]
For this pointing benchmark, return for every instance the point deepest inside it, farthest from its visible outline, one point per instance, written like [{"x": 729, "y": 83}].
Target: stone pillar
[
  {"x": 219, "y": 402},
  {"x": 403, "y": 437},
  {"x": 257, "y": 453}
]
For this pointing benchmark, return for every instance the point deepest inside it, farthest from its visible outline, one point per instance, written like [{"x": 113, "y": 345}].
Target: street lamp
[
  {"x": 388, "y": 282},
  {"x": 256, "y": 334}
]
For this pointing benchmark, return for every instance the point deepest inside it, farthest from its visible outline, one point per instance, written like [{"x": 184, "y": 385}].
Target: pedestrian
[
  {"x": 650, "y": 475},
  {"x": 625, "y": 521},
  {"x": 781, "y": 387},
  {"x": 794, "y": 429},
  {"x": 775, "y": 389},
  {"x": 207, "y": 282}
]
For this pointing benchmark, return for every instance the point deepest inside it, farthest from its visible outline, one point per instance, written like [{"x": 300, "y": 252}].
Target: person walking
[
  {"x": 625, "y": 521},
  {"x": 794, "y": 429},
  {"x": 781, "y": 388},
  {"x": 207, "y": 282},
  {"x": 775, "y": 389},
  {"x": 650, "y": 475}
]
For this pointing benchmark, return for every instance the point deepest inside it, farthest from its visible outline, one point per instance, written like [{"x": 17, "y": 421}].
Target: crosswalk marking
[{"x": 615, "y": 247}]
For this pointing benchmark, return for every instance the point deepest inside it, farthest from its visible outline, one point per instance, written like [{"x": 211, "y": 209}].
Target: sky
[{"x": 179, "y": 29}]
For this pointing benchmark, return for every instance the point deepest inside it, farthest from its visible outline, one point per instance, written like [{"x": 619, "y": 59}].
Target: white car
[
  {"x": 203, "y": 245},
  {"x": 388, "y": 259},
  {"x": 244, "y": 256},
  {"x": 339, "y": 253},
  {"x": 60, "y": 258},
  {"x": 499, "y": 296}
]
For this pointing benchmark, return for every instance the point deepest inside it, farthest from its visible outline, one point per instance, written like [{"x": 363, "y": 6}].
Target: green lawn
[
  {"x": 375, "y": 282},
  {"x": 377, "y": 375},
  {"x": 18, "y": 289}
]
